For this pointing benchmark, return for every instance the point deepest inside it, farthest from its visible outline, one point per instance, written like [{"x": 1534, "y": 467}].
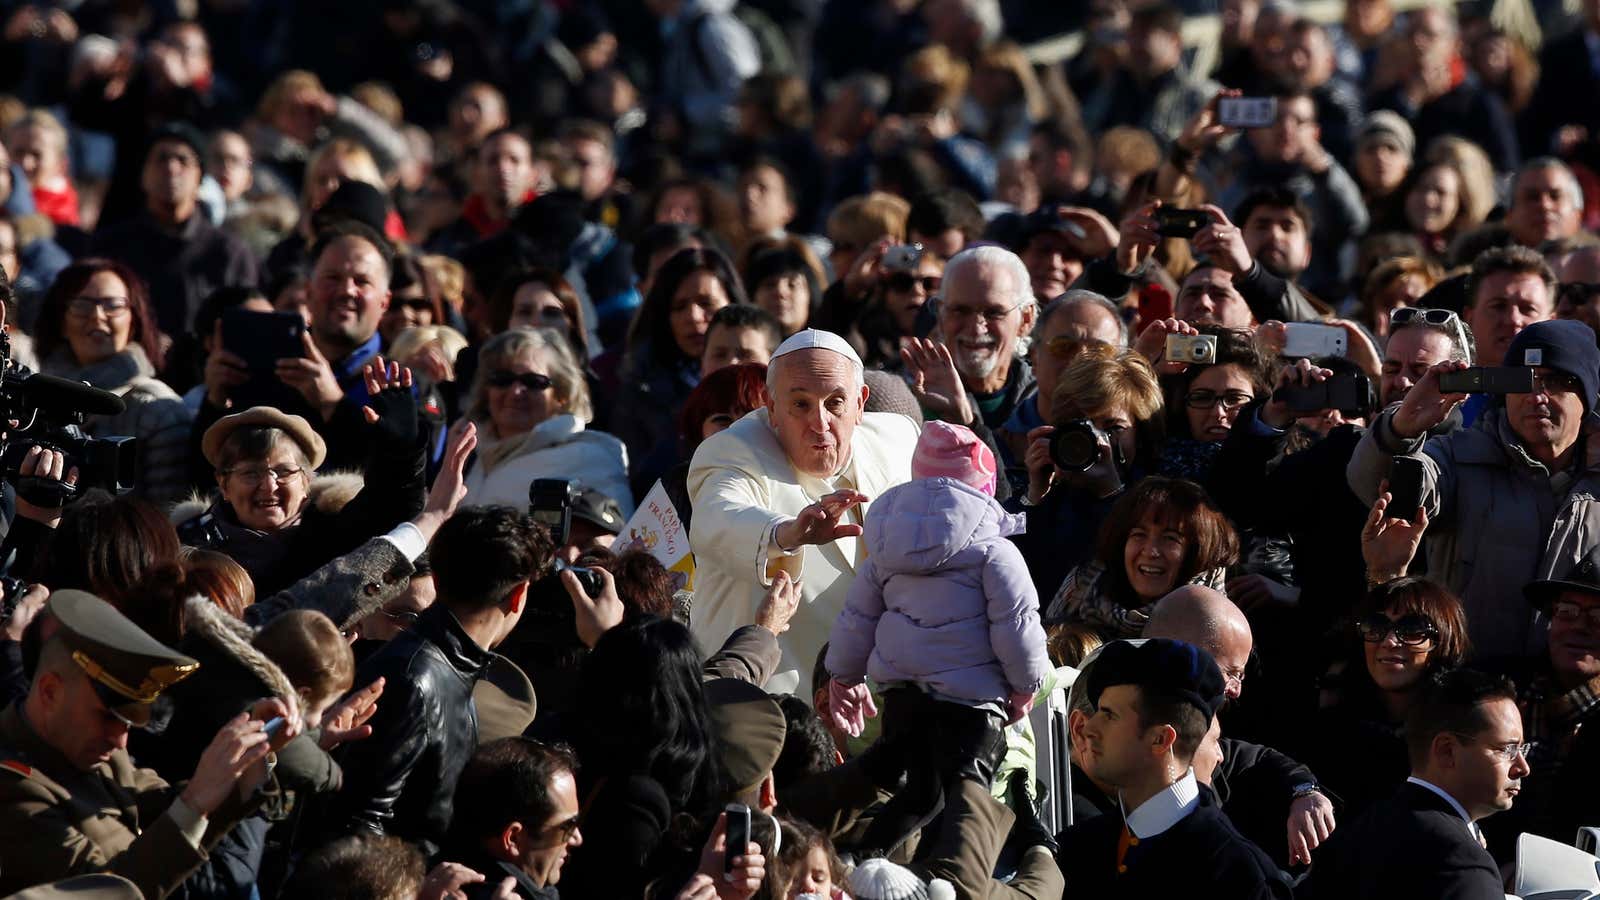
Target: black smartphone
[
  {"x": 1488, "y": 380},
  {"x": 1174, "y": 222},
  {"x": 738, "y": 834},
  {"x": 1405, "y": 487},
  {"x": 1345, "y": 391},
  {"x": 262, "y": 338},
  {"x": 550, "y": 504}
]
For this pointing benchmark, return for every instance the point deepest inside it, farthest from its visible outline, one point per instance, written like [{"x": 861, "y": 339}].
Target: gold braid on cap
[{"x": 157, "y": 680}]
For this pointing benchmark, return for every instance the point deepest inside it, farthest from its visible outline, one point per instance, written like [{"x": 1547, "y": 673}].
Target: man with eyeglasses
[
  {"x": 1559, "y": 696},
  {"x": 1509, "y": 499},
  {"x": 1578, "y": 296},
  {"x": 1067, "y": 324},
  {"x": 516, "y": 816},
  {"x": 1464, "y": 737},
  {"x": 985, "y": 313}
]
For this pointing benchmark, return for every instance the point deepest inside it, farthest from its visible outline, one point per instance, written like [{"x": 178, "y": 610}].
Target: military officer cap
[
  {"x": 749, "y": 726},
  {"x": 128, "y": 668},
  {"x": 1164, "y": 668}
]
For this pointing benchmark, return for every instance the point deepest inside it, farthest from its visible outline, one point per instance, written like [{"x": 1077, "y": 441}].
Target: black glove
[
  {"x": 1028, "y": 830},
  {"x": 397, "y": 416}
]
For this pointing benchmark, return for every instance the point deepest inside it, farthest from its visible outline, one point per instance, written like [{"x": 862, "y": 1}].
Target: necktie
[{"x": 1124, "y": 842}]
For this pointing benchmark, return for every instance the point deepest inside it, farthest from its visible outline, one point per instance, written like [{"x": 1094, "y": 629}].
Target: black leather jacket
[{"x": 401, "y": 780}]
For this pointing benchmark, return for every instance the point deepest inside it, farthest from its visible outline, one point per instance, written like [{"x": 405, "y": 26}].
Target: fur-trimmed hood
[
  {"x": 328, "y": 493},
  {"x": 206, "y": 621}
]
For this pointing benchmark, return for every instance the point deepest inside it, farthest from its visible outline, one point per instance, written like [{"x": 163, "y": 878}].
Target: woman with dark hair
[
  {"x": 648, "y": 751},
  {"x": 1204, "y": 401},
  {"x": 724, "y": 397},
  {"x": 1162, "y": 534},
  {"x": 783, "y": 283},
  {"x": 1405, "y": 631},
  {"x": 106, "y": 545},
  {"x": 540, "y": 298},
  {"x": 413, "y": 299},
  {"x": 96, "y": 326},
  {"x": 662, "y": 364}
]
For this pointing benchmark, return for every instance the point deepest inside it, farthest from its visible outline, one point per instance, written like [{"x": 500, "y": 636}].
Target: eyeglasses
[
  {"x": 1411, "y": 631},
  {"x": 254, "y": 477},
  {"x": 533, "y": 381},
  {"x": 1065, "y": 347},
  {"x": 905, "y": 282},
  {"x": 1568, "y": 611},
  {"x": 1507, "y": 751},
  {"x": 1401, "y": 316},
  {"x": 1556, "y": 383},
  {"x": 562, "y": 832},
  {"x": 1229, "y": 400},
  {"x": 87, "y": 306},
  {"x": 961, "y": 313}
]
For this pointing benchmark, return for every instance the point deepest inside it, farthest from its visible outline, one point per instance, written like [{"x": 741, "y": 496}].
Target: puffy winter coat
[
  {"x": 558, "y": 447},
  {"x": 943, "y": 599}
]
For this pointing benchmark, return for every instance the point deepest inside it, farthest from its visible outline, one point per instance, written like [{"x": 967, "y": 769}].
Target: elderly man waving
[{"x": 799, "y": 472}]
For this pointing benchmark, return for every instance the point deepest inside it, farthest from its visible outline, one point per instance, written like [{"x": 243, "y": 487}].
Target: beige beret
[{"x": 296, "y": 427}]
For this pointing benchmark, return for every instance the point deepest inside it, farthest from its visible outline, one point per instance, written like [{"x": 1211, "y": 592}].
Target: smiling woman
[
  {"x": 1162, "y": 534},
  {"x": 95, "y": 325}
]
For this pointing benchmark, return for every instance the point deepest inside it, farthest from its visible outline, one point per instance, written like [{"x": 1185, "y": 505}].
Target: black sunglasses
[
  {"x": 1411, "y": 630},
  {"x": 904, "y": 282},
  {"x": 533, "y": 381}
]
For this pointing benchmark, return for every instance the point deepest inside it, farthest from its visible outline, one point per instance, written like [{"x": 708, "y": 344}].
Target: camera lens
[{"x": 1075, "y": 446}]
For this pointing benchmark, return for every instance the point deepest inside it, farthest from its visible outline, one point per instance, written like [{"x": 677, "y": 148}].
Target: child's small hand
[
  {"x": 850, "y": 706},
  {"x": 1019, "y": 705}
]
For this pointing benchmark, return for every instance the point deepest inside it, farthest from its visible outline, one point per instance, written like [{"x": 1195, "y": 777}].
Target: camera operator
[{"x": 1107, "y": 411}]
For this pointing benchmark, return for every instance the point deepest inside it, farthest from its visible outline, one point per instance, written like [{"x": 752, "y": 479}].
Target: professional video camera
[{"x": 49, "y": 412}]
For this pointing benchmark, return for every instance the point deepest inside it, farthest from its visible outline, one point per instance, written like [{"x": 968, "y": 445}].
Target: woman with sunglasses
[
  {"x": 1405, "y": 631},
  {"x": 531, "y": 405},
  {"x": 1204, "y": 401},
  {"x": 908, "y": 278}
]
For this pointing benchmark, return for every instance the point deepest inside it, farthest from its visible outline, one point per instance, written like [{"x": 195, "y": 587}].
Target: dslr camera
[
  {"x": 1075, "y": 446},
  {"x": 550, "y": 502},
  {"x": 50, "y": 413}
]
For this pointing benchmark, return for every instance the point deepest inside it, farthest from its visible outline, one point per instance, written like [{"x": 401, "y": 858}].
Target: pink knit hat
[{"x": 953, "y": 451}]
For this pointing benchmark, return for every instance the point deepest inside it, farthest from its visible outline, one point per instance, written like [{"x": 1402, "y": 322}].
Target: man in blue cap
[
  {"x": 1509, "y": 500},
  {"x": 1153, "y": 704}
]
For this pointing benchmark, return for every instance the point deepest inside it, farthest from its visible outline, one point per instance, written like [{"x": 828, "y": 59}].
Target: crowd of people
[{"x": 994, "y": 393}]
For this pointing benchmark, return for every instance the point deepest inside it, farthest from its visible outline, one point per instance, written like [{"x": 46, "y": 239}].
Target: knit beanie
[
  {"x": 880, "y": 879},
  {"x": 889, "y": 393},
  {"x": 1565, "y": 345},
  {"x": 953, "y": 451}
]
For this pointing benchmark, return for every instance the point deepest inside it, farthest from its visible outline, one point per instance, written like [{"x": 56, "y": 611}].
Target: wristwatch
[{"x": 1306, "y": 789}]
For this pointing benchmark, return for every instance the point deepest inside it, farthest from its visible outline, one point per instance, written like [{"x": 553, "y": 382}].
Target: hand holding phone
[
  {"x": 1247, "y": 112},
  {"x": 263, "y": 338},
  {"x": 737, "y": 836},
  {"x": 1308, "y": 340},
  {"x": 1174, "y": 222},
  {"x": 1488, "y": 380},
  {"x": 1405, "y": 487}
]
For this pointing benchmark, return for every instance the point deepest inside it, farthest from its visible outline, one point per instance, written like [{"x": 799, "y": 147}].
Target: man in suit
[
  {"x": 786, "y": 488},
  {"x": 1154, "y": 704},
  {"x": 1464, "y": 735}
]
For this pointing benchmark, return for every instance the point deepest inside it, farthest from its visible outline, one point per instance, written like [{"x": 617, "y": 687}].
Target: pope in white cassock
[{"x": 788, "y": 487}]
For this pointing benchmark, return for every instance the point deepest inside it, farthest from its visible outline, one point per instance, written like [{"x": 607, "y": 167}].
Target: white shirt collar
[
  {"x": 1165, "y": 809},
  {"x": 1461, "y": 811}
]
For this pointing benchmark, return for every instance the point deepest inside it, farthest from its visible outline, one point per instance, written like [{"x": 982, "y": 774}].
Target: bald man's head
[{"x": 1209, "y": 620}]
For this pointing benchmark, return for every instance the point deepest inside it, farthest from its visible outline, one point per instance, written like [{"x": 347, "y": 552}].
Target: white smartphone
[{"x": 1308, "y": 340}]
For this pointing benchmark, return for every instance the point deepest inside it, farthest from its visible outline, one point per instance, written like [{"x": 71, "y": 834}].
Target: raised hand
[
  {"x": 595, "y": 615},
  {"x": 1223, "y": 243},
  {"x": 1310, "y": 823},
  {"x": 1137, "y": 237},
  {"x": 312, "y": 375},
  {"x": 1425, "y": 404},
  {"x": 1152, "y": 344},
  {"x": 935, "y": 381},
  {"x": 238, "y": 746},
  {"x": 1300, "y": 373},
  {"x": 347, "y": 719},
  {"x": 1388, "y": 544},
  {"x": 779, "y": 605},
  {"x": 819, "y": 522},
  {"x": 850, "y": 706}
]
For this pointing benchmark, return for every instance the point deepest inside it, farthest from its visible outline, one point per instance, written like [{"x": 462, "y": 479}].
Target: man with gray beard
[{"x": 985, "y": 313}]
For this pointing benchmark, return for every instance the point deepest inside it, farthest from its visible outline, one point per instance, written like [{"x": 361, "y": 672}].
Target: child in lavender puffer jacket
[{"x": 944, "y": 617}]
